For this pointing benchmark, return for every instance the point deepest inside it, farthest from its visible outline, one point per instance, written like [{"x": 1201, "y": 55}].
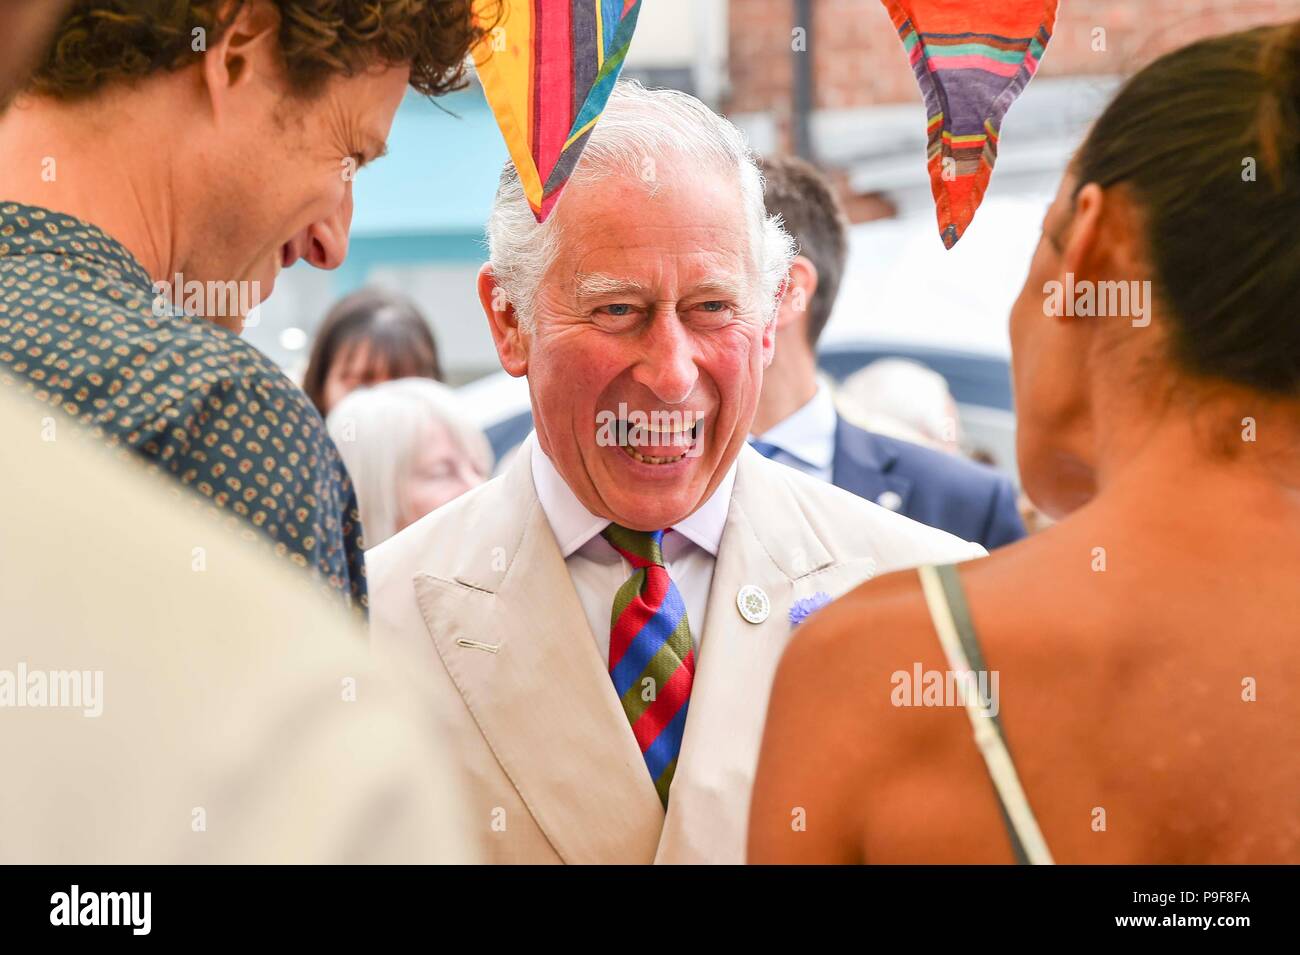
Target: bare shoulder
[
  {"x": 829, "y": 731},
  {"x": 841, "y": 743},
  {"x": 843, "y": 646}
]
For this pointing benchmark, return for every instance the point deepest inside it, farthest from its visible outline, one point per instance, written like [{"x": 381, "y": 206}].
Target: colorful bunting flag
[
  {"x": 547, "y": 68},
  {"x": 972, "y": 58}
]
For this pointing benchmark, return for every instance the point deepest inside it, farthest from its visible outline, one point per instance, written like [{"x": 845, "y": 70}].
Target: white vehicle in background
[{"x": 903, "y": 296}]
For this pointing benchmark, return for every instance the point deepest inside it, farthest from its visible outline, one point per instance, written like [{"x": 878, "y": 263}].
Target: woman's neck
[{"x": 1226, "y": 455}]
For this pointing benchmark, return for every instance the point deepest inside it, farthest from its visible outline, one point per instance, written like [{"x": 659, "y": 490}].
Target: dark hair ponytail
[
  {"x": 1279, "y": 116},
  {"x": 1208, "y": 140}
]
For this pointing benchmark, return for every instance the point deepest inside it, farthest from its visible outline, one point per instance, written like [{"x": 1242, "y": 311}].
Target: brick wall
[{"x": 858, "y": 61}]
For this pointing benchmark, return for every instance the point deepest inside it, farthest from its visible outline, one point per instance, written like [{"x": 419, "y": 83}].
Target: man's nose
[
  {"x": 667, "y": 365},
  {"x": 327, "y": 240}
]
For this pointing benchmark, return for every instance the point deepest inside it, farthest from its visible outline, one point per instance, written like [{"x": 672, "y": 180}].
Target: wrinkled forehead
[{"x": 675, "y": 222}]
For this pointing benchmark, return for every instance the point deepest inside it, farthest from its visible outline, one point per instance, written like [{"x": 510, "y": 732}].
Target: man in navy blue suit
[{"x": 797, "y": 423}]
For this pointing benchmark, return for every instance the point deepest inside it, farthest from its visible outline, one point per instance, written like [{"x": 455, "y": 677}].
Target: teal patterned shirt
[{"x": 78, "y": 331}]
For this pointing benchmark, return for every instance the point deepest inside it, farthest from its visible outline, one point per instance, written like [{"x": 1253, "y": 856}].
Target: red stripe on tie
[
  {"x": 670, "y": 699},
  {"x": 639, "y": 611}
]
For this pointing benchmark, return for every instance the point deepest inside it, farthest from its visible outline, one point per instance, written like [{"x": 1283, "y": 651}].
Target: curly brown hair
[{"x": 105, "y": 41}]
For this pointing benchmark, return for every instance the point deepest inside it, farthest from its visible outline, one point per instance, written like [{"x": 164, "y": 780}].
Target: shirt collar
[
  {"x": 574, "y": 525},
  {"x": 32, "y": 230},
  {"x": 809, "y": 433}
]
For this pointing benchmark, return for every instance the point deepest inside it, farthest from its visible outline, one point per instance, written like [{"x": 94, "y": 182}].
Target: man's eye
[
  {"x": 713, "y": 306},
  {"x": 618, "y": 310}
]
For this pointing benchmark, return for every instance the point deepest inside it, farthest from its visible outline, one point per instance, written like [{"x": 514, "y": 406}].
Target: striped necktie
[{"x": 651, "y": 659}]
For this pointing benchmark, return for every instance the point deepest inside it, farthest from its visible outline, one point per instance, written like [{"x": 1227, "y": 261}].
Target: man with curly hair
[{"x": 166, "y": 160}]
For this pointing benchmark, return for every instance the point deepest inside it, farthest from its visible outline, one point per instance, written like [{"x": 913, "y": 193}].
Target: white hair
[
  {"x": 638, "y": 126},
  {"x": 378, "y": 430}
]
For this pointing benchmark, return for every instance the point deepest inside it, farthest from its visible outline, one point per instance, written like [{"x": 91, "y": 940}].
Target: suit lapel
[
  {"x": 539, "y": 691},
  {"x": 863, "y": 466}
]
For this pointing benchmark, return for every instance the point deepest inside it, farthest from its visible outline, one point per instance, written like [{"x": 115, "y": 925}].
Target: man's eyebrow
[
  {"x": 595, "y": 285},
  {"x": 720, "y": 287}
]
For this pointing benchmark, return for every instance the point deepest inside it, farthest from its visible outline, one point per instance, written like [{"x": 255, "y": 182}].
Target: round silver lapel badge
[{"x": 753, "y": 603}]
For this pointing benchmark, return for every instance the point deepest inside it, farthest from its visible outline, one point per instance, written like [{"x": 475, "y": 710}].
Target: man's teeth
[
  {"x": 669, "y": 435},
  {"x": 658, "y": 439},
  {"x": 647, "y": 459},
  {"x": 672, "y": 438}
]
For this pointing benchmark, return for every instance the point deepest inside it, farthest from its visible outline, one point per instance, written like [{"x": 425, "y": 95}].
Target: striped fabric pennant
[
  {"x": 547, "y": 69},
  {"x": 972, "y": 59}
]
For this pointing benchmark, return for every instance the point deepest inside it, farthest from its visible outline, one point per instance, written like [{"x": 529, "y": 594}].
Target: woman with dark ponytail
[{"x": 1129, "y": 674}]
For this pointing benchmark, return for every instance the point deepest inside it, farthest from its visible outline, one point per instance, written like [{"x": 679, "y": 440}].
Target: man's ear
[
  {"x": 503, "y": 322},
  {"x": 801, "y": 286},
  {"x": 769, "y": 340},
  {"x": 246, "y": 51}
]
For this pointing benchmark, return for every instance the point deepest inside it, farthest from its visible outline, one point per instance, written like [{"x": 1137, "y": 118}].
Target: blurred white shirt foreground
[{"x": 183, "y": 697}]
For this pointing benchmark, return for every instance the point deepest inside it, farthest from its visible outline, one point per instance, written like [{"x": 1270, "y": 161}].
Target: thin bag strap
[{"x": 1023, "y": 829}]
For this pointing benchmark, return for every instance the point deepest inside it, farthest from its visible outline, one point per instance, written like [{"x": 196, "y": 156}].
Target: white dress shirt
[
  {"x": 598, "y": 570},
  {"x": 806, "y": 439}
]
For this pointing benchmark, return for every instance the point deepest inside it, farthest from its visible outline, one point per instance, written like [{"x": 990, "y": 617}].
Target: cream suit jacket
[{"x": 475, "y": 605}]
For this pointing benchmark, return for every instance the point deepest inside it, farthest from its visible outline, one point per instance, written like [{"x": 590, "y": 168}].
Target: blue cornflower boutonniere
[{"x": 802, "y": 608}]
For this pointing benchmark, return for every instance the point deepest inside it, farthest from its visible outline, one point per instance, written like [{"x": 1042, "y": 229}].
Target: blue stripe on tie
[
  {"x": 667, "y": 744},
  {"x": 647, "y": 642}
]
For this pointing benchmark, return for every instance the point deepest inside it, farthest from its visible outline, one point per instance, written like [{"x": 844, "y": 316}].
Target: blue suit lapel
[{"x": 864, "y": 465}]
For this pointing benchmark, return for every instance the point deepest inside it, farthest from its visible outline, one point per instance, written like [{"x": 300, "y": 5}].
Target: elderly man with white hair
[{"x": 596, "y": 630}]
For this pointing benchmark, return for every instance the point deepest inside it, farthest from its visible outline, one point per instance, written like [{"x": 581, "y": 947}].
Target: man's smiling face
[{"x": 651, "y": 311}]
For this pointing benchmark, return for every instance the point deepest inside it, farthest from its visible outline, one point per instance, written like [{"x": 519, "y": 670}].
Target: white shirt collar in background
[{"x": 806, "y": 439}]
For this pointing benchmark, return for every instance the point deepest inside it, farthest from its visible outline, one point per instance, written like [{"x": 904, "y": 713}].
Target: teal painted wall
[{"x": 428, "y": 199}]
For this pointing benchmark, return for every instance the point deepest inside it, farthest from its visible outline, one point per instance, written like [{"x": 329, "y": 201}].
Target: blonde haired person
[{"x": 410, "y": 448}]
